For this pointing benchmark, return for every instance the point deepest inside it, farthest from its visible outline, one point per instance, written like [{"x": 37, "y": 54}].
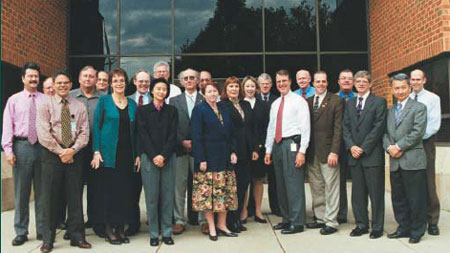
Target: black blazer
[
  {"x": 261, "y": 114},
  {"x": 244, "y": 130},
  {"x": 366, "y": 131},
  {"x": 157, "y": 131}
]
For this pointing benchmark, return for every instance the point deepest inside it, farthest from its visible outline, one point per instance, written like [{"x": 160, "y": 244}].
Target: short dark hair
[
  {"x": 62, "y": 72},
  {"x": 400, "y": 77},
  {"x": 30, "y": 65},
  {"x": 117, "y": 71},
  {"x": 159, "y": 80},
  {"x": 320, "y": 72},
  {"x": 213, "y": 84},
  {"x": 283, "y": 72},
  {"x": 346, "y": 71}
]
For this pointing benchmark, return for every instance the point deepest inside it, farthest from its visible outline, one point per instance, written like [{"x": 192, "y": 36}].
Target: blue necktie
[{"x": 398, "y": 113}]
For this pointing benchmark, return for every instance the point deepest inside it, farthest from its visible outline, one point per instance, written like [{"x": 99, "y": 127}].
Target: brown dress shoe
[
  {"x": 205, "y": 229},
  {"x": 46, "y": 247},
  {"x": 178, "y": 229}
]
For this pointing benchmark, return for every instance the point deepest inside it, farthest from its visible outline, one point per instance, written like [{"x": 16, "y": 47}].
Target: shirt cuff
[
  {"x": 302, "y": 149},
  {"x": 9, "y": 151}
]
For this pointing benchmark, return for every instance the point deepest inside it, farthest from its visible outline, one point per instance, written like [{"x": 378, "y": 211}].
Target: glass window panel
[
  {"x": 99, "y": 63},
  {"x": 343, "y": 25},
  {"x": 93, "y": 27},
  {"x": 333, "y": 64},
  {"x": 145, "y": 27},
  {"x": 218, "y": 26},
  {"x": 290, "y": 25}
]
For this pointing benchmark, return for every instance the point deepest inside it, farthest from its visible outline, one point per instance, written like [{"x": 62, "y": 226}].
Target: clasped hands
[
  {"x": 66, "y": 155},
  {"x": 394, "y": 151}
]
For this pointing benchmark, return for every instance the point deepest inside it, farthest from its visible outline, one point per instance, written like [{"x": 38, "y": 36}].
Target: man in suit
[
  {"x": 433, "y": 104},
  {"x": 304, "y": 87},
  {"x": 288, "y": 138},
  {"x": 184, "y": 103},
  {"x": 323, "y": 154},
  {"x": 345, "y": 82},
  {"x": 364, "y": 124},
  {"x": 141, "y": 80},
  {"x": 403, "y": 140}
]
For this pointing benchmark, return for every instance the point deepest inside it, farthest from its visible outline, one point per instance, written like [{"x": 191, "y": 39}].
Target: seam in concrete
[{"x": 276, "y": 236}]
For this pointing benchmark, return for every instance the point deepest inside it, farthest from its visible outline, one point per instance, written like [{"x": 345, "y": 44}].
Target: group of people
[{"x": 217, "y": 146}]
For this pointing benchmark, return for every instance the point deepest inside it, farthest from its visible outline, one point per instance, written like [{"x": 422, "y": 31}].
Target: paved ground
[{"x": 259, "y": 238}]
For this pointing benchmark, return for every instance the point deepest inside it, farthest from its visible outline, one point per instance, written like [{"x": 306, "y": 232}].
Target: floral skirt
[{"x": 214, "y": 191}]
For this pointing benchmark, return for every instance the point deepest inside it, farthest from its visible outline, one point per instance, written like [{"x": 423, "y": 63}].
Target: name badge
[
  {"x": 293, "y": 147},
  {"x": 73, "y": 126}
]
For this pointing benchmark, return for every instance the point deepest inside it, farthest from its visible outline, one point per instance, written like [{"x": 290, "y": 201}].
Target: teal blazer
[{"x": 106, "y": 129}]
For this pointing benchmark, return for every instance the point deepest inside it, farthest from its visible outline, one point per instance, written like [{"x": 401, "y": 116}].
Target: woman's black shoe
[
  {"x": 124, "y": 239},
  {"x": 168, "y": 240},
  {"x": 234, "y": 227},
  {"x": 116, "y": 241},
  {"x": 244, "y": 221},
  {"x": 259, "y": 220},
  {"x": 230, "y": 234},
  {"x": 154, "y": 241},
  {"x": 213, "y": 237},
  {"x": 241, "y": 227}
]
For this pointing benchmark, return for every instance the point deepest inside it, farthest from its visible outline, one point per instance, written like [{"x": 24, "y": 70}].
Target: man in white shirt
[
  {"x": 433, "y": 104},
  {"x": 287, "y": 139},
  {"x": 161, "y": 69}
]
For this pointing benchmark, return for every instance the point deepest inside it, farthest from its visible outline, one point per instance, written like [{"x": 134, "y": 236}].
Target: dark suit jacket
[
  {"x": 212, "y": 142},
  {"x": 261, "y": 115},
  {"x": 326, "y": 127},
  {"x": 157, "y": 130},
  {"x": 366, "y": 131},
  {"x": 245, "y": 130},
  {"x": 407, "y": 134},
  {"x": 184, "y": 122}
]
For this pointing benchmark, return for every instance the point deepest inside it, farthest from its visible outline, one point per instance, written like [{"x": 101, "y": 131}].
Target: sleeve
[
  {"x": 305, "y": 124},
  {"x": 197, "y": 134},
  {"x": 98, "y": 124},
  {"x": 434, "y": 119},
  {"x": 346, "y": 128},
  {"x": 8, "y": 128},
  {"x": 337, "y": 129},
  {"x": 83, "y": 130},
  {"x": 415, "y": 135},
  {"x": 270, "y": 130},
  {"x": 378, "y": 128},
  {"x": 43, "y": 126},
  {"x": 169, "y": 146}
]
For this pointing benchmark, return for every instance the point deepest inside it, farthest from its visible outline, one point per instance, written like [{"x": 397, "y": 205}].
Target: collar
[
  {"x": 321, "y": 95},
  {"x": 194, "y": 94},
  {"x": 59, "y": 99},
  {"x": 79, "y": 93},
  {"x": 403, "y": 102},
  {"x": 365, "y": 95},
  {"x": 344, "y": 95},
  {"x": 139, "y": 94},
  {"x": 421, "y": 93},
  {"x": 29, "y": 94}
]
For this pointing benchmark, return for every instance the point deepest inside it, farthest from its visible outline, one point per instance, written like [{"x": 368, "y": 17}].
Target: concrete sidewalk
[{"x": 259, "y": 238}]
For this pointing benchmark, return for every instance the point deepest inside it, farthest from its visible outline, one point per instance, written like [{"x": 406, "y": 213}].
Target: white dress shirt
[
  {"x": 296, "y": 121},
  {"x": 433, "y": 104},
  {"x": 321, "y": 97},
  {"x": 364, "y": 100},
  {"x": 145, "y": 96},
  {"x": 251, "y": 101}
]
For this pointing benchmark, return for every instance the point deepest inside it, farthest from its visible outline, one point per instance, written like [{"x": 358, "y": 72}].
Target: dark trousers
[
  {"x": 192, "y": 215},
  {"x": 55, "y": 176},
  {"x": 434, "y": 206},
  {"x": 343, "y": 202},
  {"x": 290, "y": 183},
  {"x": 27, "y": 172},
  {"x": 409, "y": 197},
  {"x": 243, "y": 177},
  {"x": 136, "y": 195},
  {"x": 368, "y": 182},
  {"x": 88, "y": 178}
]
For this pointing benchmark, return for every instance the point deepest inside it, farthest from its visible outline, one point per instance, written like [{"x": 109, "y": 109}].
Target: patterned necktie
[
  {"x": 278, "y": 129},
  {"x": 32, "y": 134},
  {"x": 304, "y": 93},
  {"x": 416, "y": 97},
  {"x": 141, "y": 100},
  {"x": 316, "y": 106},
  {"x": 265, "y": 97},
  {"x": 359, "y": 106},
  {"x": 398, "y": 113},
  {"x": 66, "y": 132}
]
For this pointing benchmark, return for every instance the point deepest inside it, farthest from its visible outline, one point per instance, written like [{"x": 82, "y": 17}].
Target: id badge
[
  {"x": 73, "y": 126},
  {"x": 294, "y": 147}
]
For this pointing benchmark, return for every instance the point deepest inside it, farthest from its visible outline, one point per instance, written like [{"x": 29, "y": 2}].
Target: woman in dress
[
  {"x": 157, "y": 127},
  {"x": 244, "y": 129},
  {"x": 213, "y": 146},
  {"x": 114, "y": 146}
]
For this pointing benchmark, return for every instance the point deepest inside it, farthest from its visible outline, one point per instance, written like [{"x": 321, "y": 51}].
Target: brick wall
[
  {"x": 404, "y": 32},
  {"x": 35, "y": 30}
]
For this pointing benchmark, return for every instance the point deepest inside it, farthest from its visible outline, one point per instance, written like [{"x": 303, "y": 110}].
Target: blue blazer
[
  {"x": 212, "y": 142},
  {"x": 106, "y": 129}
]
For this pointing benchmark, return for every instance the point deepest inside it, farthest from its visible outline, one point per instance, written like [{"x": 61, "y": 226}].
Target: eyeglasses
[
  {"x": 191, "y": 78},
  {"x": 346, "y": 78},
  {"x": 205, "y": 80},
  {"x": 143, "y": 81}
]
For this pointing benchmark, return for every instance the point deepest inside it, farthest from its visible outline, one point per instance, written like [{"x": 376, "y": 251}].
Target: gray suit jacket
[
  {"x": 366, "y": 131},
  {"x": 134, "y": 96},
  {"x": 184, "y": 122},
  {"x": 407, "y": 134}
]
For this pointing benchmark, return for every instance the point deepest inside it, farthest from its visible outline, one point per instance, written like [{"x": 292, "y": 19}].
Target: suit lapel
[
  {"x": 198, "y": 99},
  {"x": 405, "y": 112},
  {"x": 367, "y": 107}
]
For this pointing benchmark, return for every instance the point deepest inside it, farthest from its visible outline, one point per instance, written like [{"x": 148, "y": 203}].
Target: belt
[
  {"x": 19, "y": 138},
  {"x": 290, "y": 137}
]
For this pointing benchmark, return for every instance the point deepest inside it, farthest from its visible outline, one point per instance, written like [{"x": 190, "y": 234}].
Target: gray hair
[
  {"x": 264, "y": 76},
  {"x": 363, "y": 74},
  {"x": 181, "y": 75},
  {"x": 400, "y": 77},
  {"x": 86, "y": 68},
  {"x": 161, "y": 63},
  {"x": 139, "y": 71}
]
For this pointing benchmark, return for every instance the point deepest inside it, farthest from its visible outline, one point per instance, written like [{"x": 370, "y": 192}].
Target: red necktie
[
  {"x": 304, "y": 93},
  {"x": 278, "y": 129},
  {"x": 141, "y": 100}
]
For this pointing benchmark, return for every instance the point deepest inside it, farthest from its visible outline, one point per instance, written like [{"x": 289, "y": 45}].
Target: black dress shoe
[
  {"x": 39, "y": 237},
  {"x": 234, "y": 227},
  {"x": 259, "y": 220},
  {"x": 281, "y": 226},
  {"x": 227, "y": 234},
  {"x": 19, "y": 240},
  {"x": 376, "y": 234},
  {"x": 414, "y": 240},
  {"x": 62, "y": 226},
  {"x": 398, "y": 234},
  {"x": 83, "y": 244},
  {"x": 292, "y": 230},
  {"x": 123, "y": 239},
  {"x": 242, "y": 227},
  {"x": 315, "y": 225},
  {"x": 168, "y": 241},
  {"x": 433, "y": 230},
  {"x": 359, "y": 231},
  {"x": 66, "y": 236},
  {"x": 213, "y": 237},
  {"x": 46, "y": 247},
  {"x": 327, "y": 230},
  {"x": 115, "y": 241},
  {"x": 244, "y": 221},
  {"x": 154, "y": 242}
]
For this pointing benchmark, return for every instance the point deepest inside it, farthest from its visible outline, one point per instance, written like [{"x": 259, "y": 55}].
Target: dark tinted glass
[
  {"x": 145, "y": 27},
  {"x": 217, "y": 26},
  {"x": 99, "y": 63},
  {"x": 333, "y": 64},
  {"x": 133, "y": 64},
  {"x": 343, "y": 25},
  {"x": 93, "y": 27},
  {"x": 290, "y": 25}
]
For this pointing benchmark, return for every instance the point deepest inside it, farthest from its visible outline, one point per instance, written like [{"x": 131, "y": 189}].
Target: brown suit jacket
[{"x": 326, "y": 127}]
